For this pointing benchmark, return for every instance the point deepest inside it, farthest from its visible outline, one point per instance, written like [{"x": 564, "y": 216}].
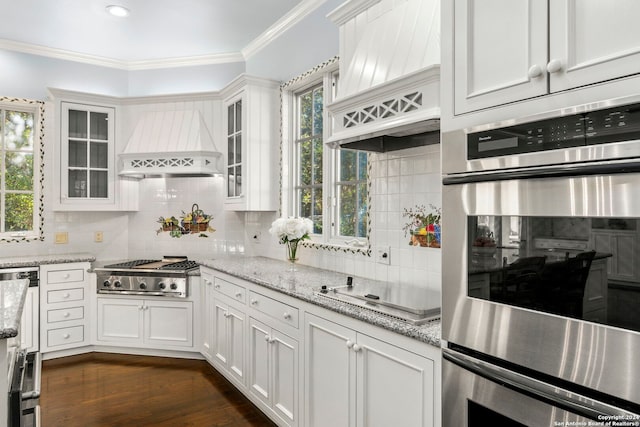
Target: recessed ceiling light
[{"x": 117, "y": 10}]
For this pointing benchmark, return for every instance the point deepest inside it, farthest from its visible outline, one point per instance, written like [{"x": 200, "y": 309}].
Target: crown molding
[
  {"x": 349, "y": 10},
  {"x": 281, "y": 26}
]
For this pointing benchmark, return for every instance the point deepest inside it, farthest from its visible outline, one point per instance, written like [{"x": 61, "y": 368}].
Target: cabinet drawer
[
  {"x": 65, "y": 295},
  {"x": 65, "y": 276},
  {"x": 236, "y": 292},
  {"x": 64, "y": 336},
  {"x": 64, "y": 314},
  {"x": 274, "y": 308}
]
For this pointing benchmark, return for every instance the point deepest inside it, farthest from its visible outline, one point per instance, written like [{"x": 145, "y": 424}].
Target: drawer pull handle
[
  {"x": 254, "y": 302},
  {"x": 287, "y": 316},
  {"x": 238, "y": 294},
  {"x": 67, "y": 314},
  {"x": 66, "y": 276},
  {"x": 67, "y": 295},
  {"x": 66, "y": 336}
]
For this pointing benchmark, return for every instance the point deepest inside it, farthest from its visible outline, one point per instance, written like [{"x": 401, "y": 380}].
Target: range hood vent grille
[{"x": 170, "y": 143}]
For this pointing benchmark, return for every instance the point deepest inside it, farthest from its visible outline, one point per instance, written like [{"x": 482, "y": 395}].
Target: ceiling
[{"x": 155, "y": 30}]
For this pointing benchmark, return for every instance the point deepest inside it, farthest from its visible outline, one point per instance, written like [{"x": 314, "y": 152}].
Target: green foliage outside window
[{"x": 16, "y": 185}]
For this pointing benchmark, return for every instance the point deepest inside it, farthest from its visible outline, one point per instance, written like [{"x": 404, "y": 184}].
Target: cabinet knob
[
  {"x": 227, "y": 314},
  {"x": 554, "y": 66},
  {"x": 238, "y": 294},
  {"x": 66, "y": 276},
  {"x": 254, "y": 302},
  {"x": 356, "y": 348},
  {"x": 67, "y": 314},
  {"x": 67, "y": 295},
  {"x": 217, "y": 286},
  {"x": 535, "y": 71},
  {"x": 349, "y": 344},
  {"x": 287, "y": 316},
  {"x": 66, "y": 336},
  {"x": 207, "y": 282},
  {"x": 267, "y": 338}
]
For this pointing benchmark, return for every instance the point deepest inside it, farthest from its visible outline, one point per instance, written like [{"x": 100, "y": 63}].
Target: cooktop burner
[{"x": 166, "y": 264}]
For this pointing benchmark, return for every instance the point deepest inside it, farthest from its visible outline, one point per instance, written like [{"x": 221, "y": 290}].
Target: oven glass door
[{"x": 578, "y": 267}]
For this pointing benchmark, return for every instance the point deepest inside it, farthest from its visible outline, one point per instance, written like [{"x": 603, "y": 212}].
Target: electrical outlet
[
  {"x": 383, "y": 255},
  {"x": 97, "y": 237},
  {"x": 256, "y": 236},
  {"x": 62, "y": 237}
]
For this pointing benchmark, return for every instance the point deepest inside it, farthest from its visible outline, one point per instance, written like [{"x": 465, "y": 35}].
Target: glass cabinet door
[
  {"x": 88, "y": 139},
  {"x": 234, "y": 149}
]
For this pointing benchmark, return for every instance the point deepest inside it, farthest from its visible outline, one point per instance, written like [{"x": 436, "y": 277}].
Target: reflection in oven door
[{"x": 480, "y": 393}]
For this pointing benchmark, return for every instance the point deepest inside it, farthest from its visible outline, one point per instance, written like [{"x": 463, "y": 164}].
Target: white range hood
[
  {"x": 170, "y": 143},
  {"x": 388, "y": 95}
]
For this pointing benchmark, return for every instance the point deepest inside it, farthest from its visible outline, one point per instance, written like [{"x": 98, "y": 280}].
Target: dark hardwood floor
[{"x": 100, "y": 389}]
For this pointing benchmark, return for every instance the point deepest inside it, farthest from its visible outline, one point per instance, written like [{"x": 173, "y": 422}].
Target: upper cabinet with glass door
[
  {"x": 87, "y": 155},
  {"x": 251, "y": 117}
]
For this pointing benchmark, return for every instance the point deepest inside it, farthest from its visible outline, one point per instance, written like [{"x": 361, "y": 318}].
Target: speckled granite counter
[
  {"x": 274, "y": 274},
  {"x": 12, "y": 296},
  {"x": 28, "y": 261}
]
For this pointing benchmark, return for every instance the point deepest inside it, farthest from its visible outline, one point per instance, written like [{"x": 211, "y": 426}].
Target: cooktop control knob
[
  {"x": 106, "y": 283},
  {"x": 174, "y": 286},
  {"x": 161, "y": 285},
  {"x": 117, "y": 284},
  {"x": 143, "y": 285}
]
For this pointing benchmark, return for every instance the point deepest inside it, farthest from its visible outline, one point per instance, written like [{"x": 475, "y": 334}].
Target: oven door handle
[
  {"x": 573, "y": 402},
  {"x": 37, "y": 371}
]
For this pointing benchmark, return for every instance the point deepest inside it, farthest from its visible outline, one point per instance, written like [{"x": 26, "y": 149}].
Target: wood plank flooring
[{"x": 100, "y": 389}]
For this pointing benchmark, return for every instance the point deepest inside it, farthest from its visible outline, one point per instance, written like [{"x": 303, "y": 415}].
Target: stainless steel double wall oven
[{"x": 541, "y": 269}]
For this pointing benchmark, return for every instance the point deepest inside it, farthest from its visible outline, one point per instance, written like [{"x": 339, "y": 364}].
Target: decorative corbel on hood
[{"x": 166, "y": 143}]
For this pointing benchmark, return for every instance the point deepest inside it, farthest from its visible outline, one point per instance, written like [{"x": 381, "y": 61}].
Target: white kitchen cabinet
[
  {"x": 135, "y": 322},
  {"x": 353, "y": 379},
  {"x": 87, "y": 143},
  {"x": 273, "y": 370},
  {"x": 228, "y": 340},
  {"x": 251, "y": 117},
  {"x": 623, "y": 245},
  {"x": 207, "y": 305},
  {"x": 507, "y": 51},
  {"x": 64, "y": 306}
]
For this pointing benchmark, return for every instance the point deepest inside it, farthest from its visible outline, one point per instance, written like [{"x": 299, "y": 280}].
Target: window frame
[
  {"x": 326, "y": 75},
  {"x": 37, "y": 109}
]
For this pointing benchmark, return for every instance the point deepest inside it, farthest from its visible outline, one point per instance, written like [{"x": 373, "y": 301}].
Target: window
[
  {"x": 20, "y": 184},
  {"x": 329, "y": 185}
]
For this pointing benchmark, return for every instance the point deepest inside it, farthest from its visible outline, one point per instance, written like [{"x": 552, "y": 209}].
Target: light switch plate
[
  {"x": 62, "y": 237},
  {"x": 97, "y": 237},
  {"x": 383, "y": 255}
]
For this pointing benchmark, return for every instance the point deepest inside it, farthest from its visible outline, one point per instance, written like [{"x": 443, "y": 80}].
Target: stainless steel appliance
[
  {"x": 531, "y": 206},
  {"x": 165, "y": 277},
  {"x": 411, "y": 304},
  {"x": 24, "y": 367}
]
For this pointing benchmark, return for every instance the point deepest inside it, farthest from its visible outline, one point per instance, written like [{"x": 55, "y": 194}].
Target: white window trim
[
  {"x": 37, "y": 108},
  {"x": 328, "y": 241}
]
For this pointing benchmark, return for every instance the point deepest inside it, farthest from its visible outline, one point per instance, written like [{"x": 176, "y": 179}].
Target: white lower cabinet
[
  {"x": 352, "y": 379},
  {"x": 30, "y": 323},
  {"x": 228, "y": 339},
  {"x": 273, "y": 370},
  {"x": 146, "y": 323}
]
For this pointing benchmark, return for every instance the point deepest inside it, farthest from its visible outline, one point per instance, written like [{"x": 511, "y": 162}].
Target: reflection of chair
[
  {"x": 565, "y": 282},
  {"x": 520, "y": 282}
]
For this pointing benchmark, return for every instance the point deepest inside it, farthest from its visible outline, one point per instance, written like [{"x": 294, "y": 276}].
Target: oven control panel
[
  {"x": 142, "y": 285},
  {"x": 575, "y": 130}
]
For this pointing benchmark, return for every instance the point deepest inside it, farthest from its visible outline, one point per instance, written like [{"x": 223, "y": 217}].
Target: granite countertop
[
  {"x": 275, "y": 274},
  {"x": 12, "y": 297},
  {"x": 35, "y": 260}
]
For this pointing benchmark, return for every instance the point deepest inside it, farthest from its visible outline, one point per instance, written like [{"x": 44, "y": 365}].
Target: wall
[{"x": 401, "y": 179}]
